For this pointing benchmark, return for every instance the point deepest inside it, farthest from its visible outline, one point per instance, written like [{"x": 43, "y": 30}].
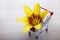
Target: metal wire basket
[{"x": 44, "y": 25}]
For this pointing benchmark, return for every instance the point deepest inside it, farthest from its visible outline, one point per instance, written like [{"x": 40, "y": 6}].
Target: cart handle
[{"x": 51, "y": 13}]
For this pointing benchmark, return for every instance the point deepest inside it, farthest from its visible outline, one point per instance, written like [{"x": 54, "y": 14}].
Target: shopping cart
[{"x": 32, "y": 31}]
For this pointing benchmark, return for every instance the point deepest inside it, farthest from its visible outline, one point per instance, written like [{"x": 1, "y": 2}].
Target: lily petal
[
  {"x": 22, "y": 19},
  {"x": 44, "y": 13},
  {"x": 27, "y": 10},
  {"x": 38, "y": 26},
  {"x": 27, "y": 28},
  {"x": 37, "y": 9}
]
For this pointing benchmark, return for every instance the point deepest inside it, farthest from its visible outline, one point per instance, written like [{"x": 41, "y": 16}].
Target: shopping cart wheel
[
  {"x": 36, "y": 37},
  {"x": 46, "y": 29},
  {"x": 29, "y": 33}
]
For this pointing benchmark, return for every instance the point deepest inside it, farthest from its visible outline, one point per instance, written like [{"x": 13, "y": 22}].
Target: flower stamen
[{"x": 34, "y": 19}]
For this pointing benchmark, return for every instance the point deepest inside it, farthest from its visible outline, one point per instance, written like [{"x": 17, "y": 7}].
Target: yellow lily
[{"x": 33, "y": 18}]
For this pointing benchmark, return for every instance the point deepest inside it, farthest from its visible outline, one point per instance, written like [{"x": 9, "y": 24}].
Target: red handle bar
[{"x": 51, "y": 13}]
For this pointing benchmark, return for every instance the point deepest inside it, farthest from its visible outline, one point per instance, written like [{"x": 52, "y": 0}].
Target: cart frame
[{"x": 44, "y": 24}]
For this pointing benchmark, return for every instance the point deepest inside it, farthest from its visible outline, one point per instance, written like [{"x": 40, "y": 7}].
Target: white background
[{"x": 12, "y": 9}]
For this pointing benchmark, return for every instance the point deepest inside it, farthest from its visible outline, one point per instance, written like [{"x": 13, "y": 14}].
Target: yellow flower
[{"x": 33, "y": 18}]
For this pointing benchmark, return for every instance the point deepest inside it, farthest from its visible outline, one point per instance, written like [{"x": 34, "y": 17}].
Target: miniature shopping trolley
[{"x": 32, "y": 31}]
